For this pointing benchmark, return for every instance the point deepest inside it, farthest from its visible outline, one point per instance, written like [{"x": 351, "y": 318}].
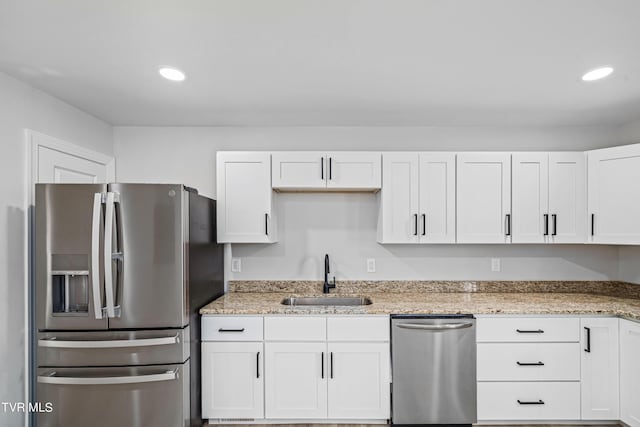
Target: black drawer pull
[
  {"x": 524, "y": 402},
  {"x": 527, "y": 331},
  {"x": 258, "y": 365},
  {"x": 230, "y": 330},
  {"x": 546, "y": 224},
  {"x": 530, "y": 363},
  {"x": 588, "y": 349}
]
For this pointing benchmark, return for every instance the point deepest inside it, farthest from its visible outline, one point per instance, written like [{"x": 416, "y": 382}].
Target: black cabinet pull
[
  {"x": 330, "y": 168},
  {"x": 266, "y": 224},
  {"x": 524, "y": 402},
  {"x": 322, "y": 168},
  {"x": 230, "y": 330},
  {"x": 593, "y": 226},
  {"x": 530, "y": 331},
  {"x": 424, "y": 224},
  {"x": 530, "y": 363},
  {"x": 258, "y": 365},
  {"x": 554, "y": 218},
  {"x": 415, "y": 224},
  {"x": 508, "y": 225},
  {"x": 588, "y": 349},
  {"x": 331, "y": 361},
  {"x": 546, "y": 224},
  {"x": 322, "y": 365}
]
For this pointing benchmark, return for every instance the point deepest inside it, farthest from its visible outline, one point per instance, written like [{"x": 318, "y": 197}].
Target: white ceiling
[{"x": 330, "y": 62}]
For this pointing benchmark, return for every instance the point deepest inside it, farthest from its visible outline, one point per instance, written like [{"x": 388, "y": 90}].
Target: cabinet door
[
  {"x": 437, "y": 187},
  {"x": 296, "y": 380},
  {"x": 567, "y": 197},
  {"x": 484, "y": 198},
  {"x": 398, "y": 218},
  {"x": 232, "y": 380},
  {"x": 599, "y": 369},
  {"x": 244, "y": 207},
  {"x": 359, "y": 380},
  {"x": 614, "y": 195},
  {"x": 354, "y": 170},
  {"x": 630, "y": 372},
  {"x": 298, "y": 170},
  {"x": 530, "y": 204}
]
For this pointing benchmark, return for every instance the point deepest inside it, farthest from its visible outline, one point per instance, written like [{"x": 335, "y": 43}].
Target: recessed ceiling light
[
  {"x": 172, "y": 74},
  {"x": 597, "y": 74}
]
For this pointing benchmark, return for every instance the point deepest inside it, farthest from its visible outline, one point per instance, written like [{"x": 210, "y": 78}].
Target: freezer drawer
[
  {"x": 105, "y": 397},
  {"x": 112, "y": 348}
]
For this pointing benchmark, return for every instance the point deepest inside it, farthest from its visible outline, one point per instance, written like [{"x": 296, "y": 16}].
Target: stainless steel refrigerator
[{"x": 120, "y": 273}]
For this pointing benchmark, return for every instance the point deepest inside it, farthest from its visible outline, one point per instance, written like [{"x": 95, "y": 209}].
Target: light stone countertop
[{"x": 258, "y": 303}]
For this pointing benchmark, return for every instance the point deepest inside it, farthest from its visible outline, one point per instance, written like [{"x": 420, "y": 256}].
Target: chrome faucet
[{"x": 327, "y": 285}]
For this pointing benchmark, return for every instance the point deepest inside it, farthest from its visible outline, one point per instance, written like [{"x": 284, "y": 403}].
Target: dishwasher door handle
[{"x": 440, "y": 327}]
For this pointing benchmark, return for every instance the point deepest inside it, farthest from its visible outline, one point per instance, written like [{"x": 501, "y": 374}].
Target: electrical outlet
[
  {"x": 371, "y": 265},
  {"x": 495, "y": 264},
  {"x": 236, "y": 265}
]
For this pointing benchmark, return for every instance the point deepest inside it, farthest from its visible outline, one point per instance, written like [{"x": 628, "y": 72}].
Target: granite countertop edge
[{"x": 268, "y": 303}]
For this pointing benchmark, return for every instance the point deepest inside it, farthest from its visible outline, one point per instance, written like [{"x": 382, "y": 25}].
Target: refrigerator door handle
[
  {"x": 143, "y": 342},
  {"x": 95, "y": 254},
  {"x": 108, "y": 254},
  {"x": 133, "y": 379}
]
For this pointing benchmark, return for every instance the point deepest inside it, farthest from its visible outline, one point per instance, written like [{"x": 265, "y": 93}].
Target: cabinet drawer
[
  {"x": 295, "y": 328},
  {"x": 528, "y": 362},
  {"x": 528, "y": 329},
  {"x": 372, "y": 328},
  {"x": 231, "y": 328},
  {"x": 538, "y": 401}
]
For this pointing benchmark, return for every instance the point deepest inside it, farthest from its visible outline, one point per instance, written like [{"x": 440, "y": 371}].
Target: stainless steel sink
[{"x": 341, "y": 301}]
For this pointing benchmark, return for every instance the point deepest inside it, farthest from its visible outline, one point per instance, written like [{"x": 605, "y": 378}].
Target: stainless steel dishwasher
[{"x": 434, "y": 369}]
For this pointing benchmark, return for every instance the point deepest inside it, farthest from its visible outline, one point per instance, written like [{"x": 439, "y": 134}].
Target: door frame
[{"x": 33, "y": 141}]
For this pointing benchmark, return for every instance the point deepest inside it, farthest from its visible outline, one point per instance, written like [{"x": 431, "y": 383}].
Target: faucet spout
[{"x": 327, "y": 285}]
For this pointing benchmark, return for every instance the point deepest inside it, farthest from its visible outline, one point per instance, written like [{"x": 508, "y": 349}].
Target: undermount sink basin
[{"x": 310, "y": 301}]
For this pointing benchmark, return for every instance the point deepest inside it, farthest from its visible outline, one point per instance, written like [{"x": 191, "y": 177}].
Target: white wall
[
  {"x": 187, "y": 154},
  {"x": 629, "y": 256},
  {"x": 343, "y": 225},
  {"x": 22, "y": 106}
]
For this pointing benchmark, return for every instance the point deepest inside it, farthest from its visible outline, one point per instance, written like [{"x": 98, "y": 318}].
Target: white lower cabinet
[
  {"x": 359, "y": 380},
  {"x": 528, "y": 368},
  {"x": 529, "y": 401},
  {"x": 630, "y": 372},
  {"x": 296, "y": 380},
  {"x": 232, "y": 380},
  {"x": 599, "y": 366},
  {"x": 311, "y": 368}
]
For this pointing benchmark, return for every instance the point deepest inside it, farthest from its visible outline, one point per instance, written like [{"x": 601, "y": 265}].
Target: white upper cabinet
[
  {"x": 484, "y": 198},
  {"x": 567, "y": 197},
  {"x": 298, "y": 170},
  {"x": 614, "y": 195},
  {"x": 530, "y": 180},
  {"x": 398, "y": 217},
  {"x": 354, "y": 170},
  {"x": 549, "y": 197},
  {"x": 338, "y": 171},
  {"x": 437, "y": 188},
  {"x": 417, "y": 198},
  {"x": 244, "y": 198}
]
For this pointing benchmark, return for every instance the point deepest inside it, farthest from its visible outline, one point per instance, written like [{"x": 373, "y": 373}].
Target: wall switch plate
[
  {"x": 236, "y": 265},
  {"x": 495, "y": 264},
  {"x": 371, "y": 265}
]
